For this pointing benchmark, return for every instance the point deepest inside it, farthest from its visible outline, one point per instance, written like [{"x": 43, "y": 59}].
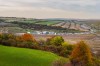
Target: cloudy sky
[{"x": 85, "y": 9}]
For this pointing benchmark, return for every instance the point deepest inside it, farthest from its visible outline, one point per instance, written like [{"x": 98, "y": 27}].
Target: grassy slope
[{"x": 11, "y": 56}]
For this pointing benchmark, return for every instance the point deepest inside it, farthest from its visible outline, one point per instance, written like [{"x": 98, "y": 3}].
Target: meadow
[{"x": 11, "y": 56}]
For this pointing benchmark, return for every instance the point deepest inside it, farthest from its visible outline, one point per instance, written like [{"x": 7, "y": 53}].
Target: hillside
[
  {"x": 11, "y": 56},
  {"x": 17, "y": 25}
]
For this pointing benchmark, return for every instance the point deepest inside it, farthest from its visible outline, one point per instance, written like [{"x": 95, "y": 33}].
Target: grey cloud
[{"x": 73, "y": 5}]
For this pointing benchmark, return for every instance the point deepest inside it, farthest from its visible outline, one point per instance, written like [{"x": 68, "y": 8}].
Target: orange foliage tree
[
  {"x": 27, "y": 40},
  {"x": 81, "y": 55},
  {"x": 27, "y": 37}
]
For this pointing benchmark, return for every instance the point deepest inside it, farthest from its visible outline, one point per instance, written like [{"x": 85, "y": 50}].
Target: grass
[
  {"x": 41, "y": 22},
  {"x": 47, "y": 22},
  {"x": 12, "y": 56}
]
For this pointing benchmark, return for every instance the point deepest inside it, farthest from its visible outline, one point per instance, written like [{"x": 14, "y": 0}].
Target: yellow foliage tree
[{"x": 81, "y": 55}]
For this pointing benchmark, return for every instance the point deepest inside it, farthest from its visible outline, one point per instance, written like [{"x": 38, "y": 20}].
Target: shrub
[
  {"x": 60, "y": 62},
  {"x": 42, "y": 42},
  {"x": 66, "y": 49},
  {"x": 96, "y": 61},
  {"x": 67, "y": 46}
]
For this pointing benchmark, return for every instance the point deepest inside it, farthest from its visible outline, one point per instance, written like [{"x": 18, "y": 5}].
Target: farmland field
[
  {"x": 13, "y": 29},
  {"x": 78, "y": 26},
  {"x": 47, "y": 22},
  {"x": 11, "y": 56}
]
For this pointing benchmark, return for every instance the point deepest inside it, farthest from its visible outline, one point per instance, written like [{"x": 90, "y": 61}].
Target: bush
[
  {"x": 66, "y": 49},
  {"x": 42, "y": 42},
  {"x": 96, "y": 61},
  {"x": 60, "y": 62}
]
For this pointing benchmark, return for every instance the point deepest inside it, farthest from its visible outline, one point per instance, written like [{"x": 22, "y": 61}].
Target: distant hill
[{"x": 65, "y": 23}]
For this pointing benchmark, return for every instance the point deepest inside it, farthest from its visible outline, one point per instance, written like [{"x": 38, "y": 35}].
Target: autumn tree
[
  {"x": 81, "y": 55},
  {"x": 28, "y": 37},
  {"x": 28, "y": 40}
]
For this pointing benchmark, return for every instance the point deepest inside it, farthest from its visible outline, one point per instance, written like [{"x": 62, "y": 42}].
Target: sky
[{"x": 80, "y": 9}]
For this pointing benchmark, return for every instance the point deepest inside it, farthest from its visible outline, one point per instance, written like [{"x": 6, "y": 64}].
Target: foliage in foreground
[{"x": 80, "y": 56}]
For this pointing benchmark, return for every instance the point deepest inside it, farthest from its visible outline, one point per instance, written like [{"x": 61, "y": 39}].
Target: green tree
[{"x": 57, "y": 41}]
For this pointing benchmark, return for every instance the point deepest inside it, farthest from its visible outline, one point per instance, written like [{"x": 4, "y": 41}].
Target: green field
[
  {"x": 41, "y": 22},
  {"x": 11, "y": 56},
  {"x": 47, "y": 22}
]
